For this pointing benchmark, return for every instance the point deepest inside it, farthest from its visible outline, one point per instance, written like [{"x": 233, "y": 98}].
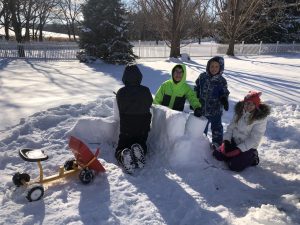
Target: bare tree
[
  {"x": 15, "y": 7},
  {"x": 172, "y": 19},
  {"x": 203, "y": 20},
  {"x": 240, "y": 18},
  {"x": 22, "y": 13},
  {"x": 139, "y": 27},
  {"x": 29, "y": 12},
  {"x": 5, "y": 17},
  {"x": 44, "y": 9},
  {"x": 70, "y": 13},
  {"x": 34, "y": 14}
]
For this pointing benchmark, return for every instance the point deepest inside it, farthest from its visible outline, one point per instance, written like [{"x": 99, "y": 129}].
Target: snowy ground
[
  {"x": 46, "y": 34},
  {"x": 42, "y": 103}
]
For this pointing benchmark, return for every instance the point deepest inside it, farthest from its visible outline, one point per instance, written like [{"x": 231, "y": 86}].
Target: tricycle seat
[{"x": 32, "y": 155}]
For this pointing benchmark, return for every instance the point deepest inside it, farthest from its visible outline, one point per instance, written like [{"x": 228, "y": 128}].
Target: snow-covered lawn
[
  {"x": 42, "y": 103},
  {"x": 46, "y": 34}
]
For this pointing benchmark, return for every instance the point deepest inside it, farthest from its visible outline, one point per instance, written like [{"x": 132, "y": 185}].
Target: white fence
[
  {"x": 151, "y": 50},
  {"x": 39, "y": 50},
  {"x": 68, "y": 50}
]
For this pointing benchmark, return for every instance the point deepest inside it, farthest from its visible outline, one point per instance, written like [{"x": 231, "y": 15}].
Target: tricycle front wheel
[
  {"x": 35, "y": 193},
  {"x": 70, "y": 164},
  {"x": 86, "y": 176}
]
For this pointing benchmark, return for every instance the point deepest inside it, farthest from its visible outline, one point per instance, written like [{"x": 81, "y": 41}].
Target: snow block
[
  {"x": 96, "y": 130},
  {"x": 116, "y": 110},
  {"x": 167, "y": 126},
  {"x": 195, "y": 126},
  {"x": 189, "y": 153},
  {"x": 178, "y": 136}
]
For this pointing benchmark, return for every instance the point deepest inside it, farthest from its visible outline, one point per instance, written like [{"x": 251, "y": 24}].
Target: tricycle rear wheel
[
  {"x": 19, "y": 178},
  {"x": 86, "y": 176}
]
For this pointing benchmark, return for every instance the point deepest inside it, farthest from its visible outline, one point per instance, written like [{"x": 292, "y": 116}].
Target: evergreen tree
[
  {"x": 285, "y": 27},
  {"x": 104, "y": 32}
]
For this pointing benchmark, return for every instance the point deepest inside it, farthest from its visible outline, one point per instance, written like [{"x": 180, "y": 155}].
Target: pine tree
[
  {"x": 285, "y": 27},
  {"x": 104, "y": 32}
]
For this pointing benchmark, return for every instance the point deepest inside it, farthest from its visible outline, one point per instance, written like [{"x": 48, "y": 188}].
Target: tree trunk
[
  {"x": 27, "y": 32},
  {"x": 40, "y": 33},
  {"x": 230, "y": 50},
  {"x": 6, "y": 28},
  {"x": 175, "y": 40},
  {"x": 236, "y": 10},
  {"x": 14, "y": 20},
  {"x": 34, "y": 37},
  {"x": 175, "y": 47},
  {"x": 17, "y": 26},
  {"x": 73, "y": 31},
  {"x": 21, "y": 50}
]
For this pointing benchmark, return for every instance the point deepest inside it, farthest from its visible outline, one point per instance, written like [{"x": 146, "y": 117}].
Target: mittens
[
  {"x": 198, "y": 112},
  {"x": 224, "y": 102}
]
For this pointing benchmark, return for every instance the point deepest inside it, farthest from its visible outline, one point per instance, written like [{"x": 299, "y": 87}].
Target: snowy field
[
  {"x": 46, "y": 34},
  {"x": 42, "y": 103}
]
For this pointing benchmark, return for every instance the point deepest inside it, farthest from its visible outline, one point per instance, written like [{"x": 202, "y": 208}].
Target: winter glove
[
  {"x": 191, "y": 107},
  {"x": 224, "y": 102},
  {"x": 198, "y": 112},
  {"x": 233, "y": 153}
]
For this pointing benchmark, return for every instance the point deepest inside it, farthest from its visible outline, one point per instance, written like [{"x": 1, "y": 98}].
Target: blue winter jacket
[{"x": 211, "y": 88}]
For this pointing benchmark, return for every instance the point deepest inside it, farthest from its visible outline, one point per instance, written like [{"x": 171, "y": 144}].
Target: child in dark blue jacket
[{"x": 212, "y": 91}]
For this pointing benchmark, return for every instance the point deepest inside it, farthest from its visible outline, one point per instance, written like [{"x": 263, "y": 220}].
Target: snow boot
[
  {"x": 138, "y": 155},
  {"x": 127, "y": 161},
  {"x": 255, "y": 158},
  {"x": 214, "y": 146}
]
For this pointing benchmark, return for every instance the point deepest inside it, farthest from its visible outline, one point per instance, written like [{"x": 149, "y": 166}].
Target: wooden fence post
[
  {"x": 139, "y": 48},
  {"x": 242, "y": 48},
  {"x": 259, "y": 51},
  {"x": 293, "y": 47}
]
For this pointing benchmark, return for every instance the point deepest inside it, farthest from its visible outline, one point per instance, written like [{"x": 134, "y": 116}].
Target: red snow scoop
[{"x": 84, "y": 156}]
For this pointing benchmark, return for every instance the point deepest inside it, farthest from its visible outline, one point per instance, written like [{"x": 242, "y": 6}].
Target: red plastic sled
[{"x": 84, "y": 156}]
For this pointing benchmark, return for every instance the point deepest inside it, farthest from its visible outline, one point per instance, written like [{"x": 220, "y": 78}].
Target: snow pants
[
  {"x": 241, "y": 161},
  {"x": 126, "y": 141},
  {"x": 216, "y": 128}
]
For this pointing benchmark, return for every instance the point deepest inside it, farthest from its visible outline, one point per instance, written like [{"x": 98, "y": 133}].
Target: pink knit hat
[{"x": 253, "y": 96}]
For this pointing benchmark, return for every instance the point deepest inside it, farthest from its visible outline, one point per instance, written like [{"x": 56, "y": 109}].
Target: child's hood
[
  {"x": 218, "y": 59},
  {"x": 132, "y": 75},
  {"x": 183, "y": 75}
]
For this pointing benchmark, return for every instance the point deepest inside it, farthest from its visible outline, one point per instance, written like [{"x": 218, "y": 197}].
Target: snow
[
  {"x": 45, "y": 33},
  {"x": 43, "y": 103}
]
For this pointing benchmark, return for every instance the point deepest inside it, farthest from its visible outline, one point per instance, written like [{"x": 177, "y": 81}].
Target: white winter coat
[{"x": 246, "y": 135}]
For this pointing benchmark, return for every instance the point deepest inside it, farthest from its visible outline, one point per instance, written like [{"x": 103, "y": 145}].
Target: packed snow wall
[{"x": 177, "y": 136}]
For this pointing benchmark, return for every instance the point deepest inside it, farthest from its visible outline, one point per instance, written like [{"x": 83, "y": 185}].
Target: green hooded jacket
[{"x": 173, "y": 95}]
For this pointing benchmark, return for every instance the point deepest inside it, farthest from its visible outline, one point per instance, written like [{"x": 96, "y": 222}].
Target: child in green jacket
[{"x": 173, "y": 92}]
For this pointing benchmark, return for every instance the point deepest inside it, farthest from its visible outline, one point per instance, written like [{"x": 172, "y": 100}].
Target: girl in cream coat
[{"x": 244, "y": 133}]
